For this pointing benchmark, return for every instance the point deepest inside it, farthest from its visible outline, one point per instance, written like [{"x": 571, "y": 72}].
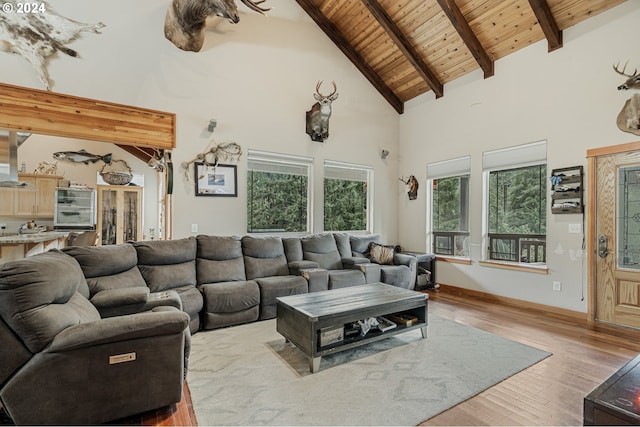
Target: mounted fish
[
  {"x": 35, "y": 32},
  {"x": 81, "y": 157}
]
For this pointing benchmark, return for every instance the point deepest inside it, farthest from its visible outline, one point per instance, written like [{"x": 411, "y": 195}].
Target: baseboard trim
[{"x": 455, "y": 290}]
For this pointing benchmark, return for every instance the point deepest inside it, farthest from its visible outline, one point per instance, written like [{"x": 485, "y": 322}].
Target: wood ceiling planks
[{"x": 408, "y": 47}]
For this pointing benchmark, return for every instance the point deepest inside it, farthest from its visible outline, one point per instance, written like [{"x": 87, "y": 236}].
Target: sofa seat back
[
  {"x": 219, "y": 259},
  {"x": 171, "y": 265},
  {"x": 42, "y": 295},
  {"x": 323, "y": 250},
  {"x": 108, "y": 267},
  {"x": 264, "y": 257}
]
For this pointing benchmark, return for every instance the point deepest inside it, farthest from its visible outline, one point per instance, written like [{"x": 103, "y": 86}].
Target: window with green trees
[
  {"x": 346, "y": 196},
  {"x": 515, "y": 203},
  {"x": 278, "y": 193},
  {"x": 517, "y": 214},
  {"x": 450, "y": 215}
]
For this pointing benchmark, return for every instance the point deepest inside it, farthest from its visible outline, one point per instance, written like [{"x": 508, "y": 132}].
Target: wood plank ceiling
[{"x": 408, "y": 47}]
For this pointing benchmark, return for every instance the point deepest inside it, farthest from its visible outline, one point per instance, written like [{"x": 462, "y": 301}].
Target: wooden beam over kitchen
[{"x": 49, "y": 113}]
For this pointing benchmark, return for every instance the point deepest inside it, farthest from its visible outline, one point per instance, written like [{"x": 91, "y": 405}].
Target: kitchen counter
[{"x": 18, "y": 246}]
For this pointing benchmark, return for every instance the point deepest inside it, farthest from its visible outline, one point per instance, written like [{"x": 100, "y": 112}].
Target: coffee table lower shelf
[{"x": 302, "y": 318}]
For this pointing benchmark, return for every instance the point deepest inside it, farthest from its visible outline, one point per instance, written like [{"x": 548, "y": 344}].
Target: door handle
[{"x": 602, "y": 246}]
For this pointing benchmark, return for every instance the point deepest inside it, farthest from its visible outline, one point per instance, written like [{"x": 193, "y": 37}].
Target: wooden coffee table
[{"x": 302, "y": 319}]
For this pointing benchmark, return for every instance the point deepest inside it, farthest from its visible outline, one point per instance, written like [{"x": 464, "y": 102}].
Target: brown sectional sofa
[{"x": 146, "y": 299}]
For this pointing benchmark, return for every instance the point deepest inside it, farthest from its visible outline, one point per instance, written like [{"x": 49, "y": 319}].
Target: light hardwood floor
[{"x": 548, "y": 393}]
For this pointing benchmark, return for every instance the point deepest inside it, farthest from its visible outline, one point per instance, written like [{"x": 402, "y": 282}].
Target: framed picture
[{"x": 219, "y": 180}]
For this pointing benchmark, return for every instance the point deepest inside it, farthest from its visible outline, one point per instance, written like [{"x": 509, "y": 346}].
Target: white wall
[
  {"x": 567, "y": 97},
  {"x": 257, "y": 78}
]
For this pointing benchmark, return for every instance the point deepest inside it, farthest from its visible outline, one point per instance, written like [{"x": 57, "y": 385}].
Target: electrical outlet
[
  {"x": 575, "y": 228},
  {"x": 194, "y": 228},
  {"x": 557, "y": 286}
]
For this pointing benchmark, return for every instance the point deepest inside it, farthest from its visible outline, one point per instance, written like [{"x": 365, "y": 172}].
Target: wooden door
[{"x": 617, "y": 238}]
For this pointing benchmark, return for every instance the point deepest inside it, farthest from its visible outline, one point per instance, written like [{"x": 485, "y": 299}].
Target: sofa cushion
[
  {"x": 397, "y": 275},
  {"x": 343, "y": 244},
  {"x": 292, "y": 248},
  {"x": 274, "y": 287},
  {"x": 108, "y": 267},
  {"x": 219, "y": 259},
  {"x": 322, "y": 249},
  {"x": 360, "y": 243},
  {"x": 39, "y": 297},
  {"x": 230, "y": 297},
  {"x": 345, "y": 278},
  {"x": 264, "y": 257},
  {"x": 167, "y": 264},
  {"x": 381, "y": 254}
]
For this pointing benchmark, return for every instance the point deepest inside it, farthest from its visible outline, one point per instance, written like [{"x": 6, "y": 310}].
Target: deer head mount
[
  {"x": 318, "y": 116},
  {"x": 628, "y": 119},
  {"x": 185, "y": 21},
  {"x": 633, "y": 81}
]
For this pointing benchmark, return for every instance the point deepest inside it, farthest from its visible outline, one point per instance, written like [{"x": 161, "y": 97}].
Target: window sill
[
  {"x": 453, "y": 259},
  {"x": 538, "y": 269}
]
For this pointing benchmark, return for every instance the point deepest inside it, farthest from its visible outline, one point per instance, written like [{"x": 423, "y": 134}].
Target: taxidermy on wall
[
  {"x": 628, "y": 119},
  {"x": 185, "y": 20},
  {"x": 318, "y": 116},
  {"x": 412, "y": 187},
  {"x": 81, "y": 156},
  {"x": 224, "y": 151},
  {"x": 35, "y": 32}
]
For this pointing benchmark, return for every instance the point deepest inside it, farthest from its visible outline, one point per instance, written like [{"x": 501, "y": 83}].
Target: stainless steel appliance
[{"x": 75, "y": 209}]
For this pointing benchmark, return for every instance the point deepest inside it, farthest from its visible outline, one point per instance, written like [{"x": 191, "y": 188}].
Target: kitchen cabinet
[
  {"x": 36, "y": 200},
  {"x": 119, "y": 213},
  {"x": 7, "y": 196}
]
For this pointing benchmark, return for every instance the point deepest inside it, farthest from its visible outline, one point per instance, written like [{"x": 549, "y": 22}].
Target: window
[
  {"x": 449, "y": 183},
  {"x": 347, "y": 197},
  {"x": 278, "y": 193},
  {"x": 516, "y": 188}
]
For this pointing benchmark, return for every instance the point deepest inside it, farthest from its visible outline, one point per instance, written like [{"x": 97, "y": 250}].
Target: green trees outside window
[
  {"x": 277, "y": 202},
  {"x": 518, "y": 214},
  {"x": 450, "y": 216},
  {"x": 345, "y": 205}
]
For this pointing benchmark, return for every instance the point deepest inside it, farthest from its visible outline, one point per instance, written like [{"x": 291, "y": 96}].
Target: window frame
[
  {"x": 283, "y": 161},
  {"x": 452, "y": 168},
  {"x": 356, "y": 169},
  {"x": 517, "y": 157}
]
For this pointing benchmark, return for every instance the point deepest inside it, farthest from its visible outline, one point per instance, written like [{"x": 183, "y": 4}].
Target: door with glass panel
[
  {"x": 617, "y": 238},
  {"x": 119, "y": 214}
]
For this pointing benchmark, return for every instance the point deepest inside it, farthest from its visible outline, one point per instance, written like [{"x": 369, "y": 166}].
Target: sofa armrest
[
  {"x": 121, "y": 328},
  {"x": 351, "y": 262},
  {"x": 118, "y": 297},
  {"x": 372, "y": 272},
  {"x": 317, "y": 278},
  {"x": 404, "y": 259},
  {"x": 296, "y": 267}
]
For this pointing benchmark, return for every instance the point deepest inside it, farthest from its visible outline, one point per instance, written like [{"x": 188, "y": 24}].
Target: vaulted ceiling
[{"x": 408, "y": 47}]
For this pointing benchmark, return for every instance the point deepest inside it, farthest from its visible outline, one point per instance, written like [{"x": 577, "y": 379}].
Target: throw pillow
[{"x": 381, "y": 254}]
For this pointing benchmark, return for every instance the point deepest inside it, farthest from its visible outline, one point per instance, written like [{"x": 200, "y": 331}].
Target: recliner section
[{"x": 62, "y": 363}]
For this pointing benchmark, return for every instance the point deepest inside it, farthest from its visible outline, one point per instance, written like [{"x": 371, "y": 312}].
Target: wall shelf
[{"x": 567, "y": 190}]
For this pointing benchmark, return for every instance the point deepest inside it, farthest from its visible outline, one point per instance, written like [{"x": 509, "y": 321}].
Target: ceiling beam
[
  {"x": 547, "y": 23},
  {"x": 451, "y": 9},
  {"x": 343, "y": 44},
  {"x": 143, "y": 153},
  {"x": 404, "y": 45}
]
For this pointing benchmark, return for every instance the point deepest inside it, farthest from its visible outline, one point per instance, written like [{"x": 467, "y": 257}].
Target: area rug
[{"x": 248, "y": 375}]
